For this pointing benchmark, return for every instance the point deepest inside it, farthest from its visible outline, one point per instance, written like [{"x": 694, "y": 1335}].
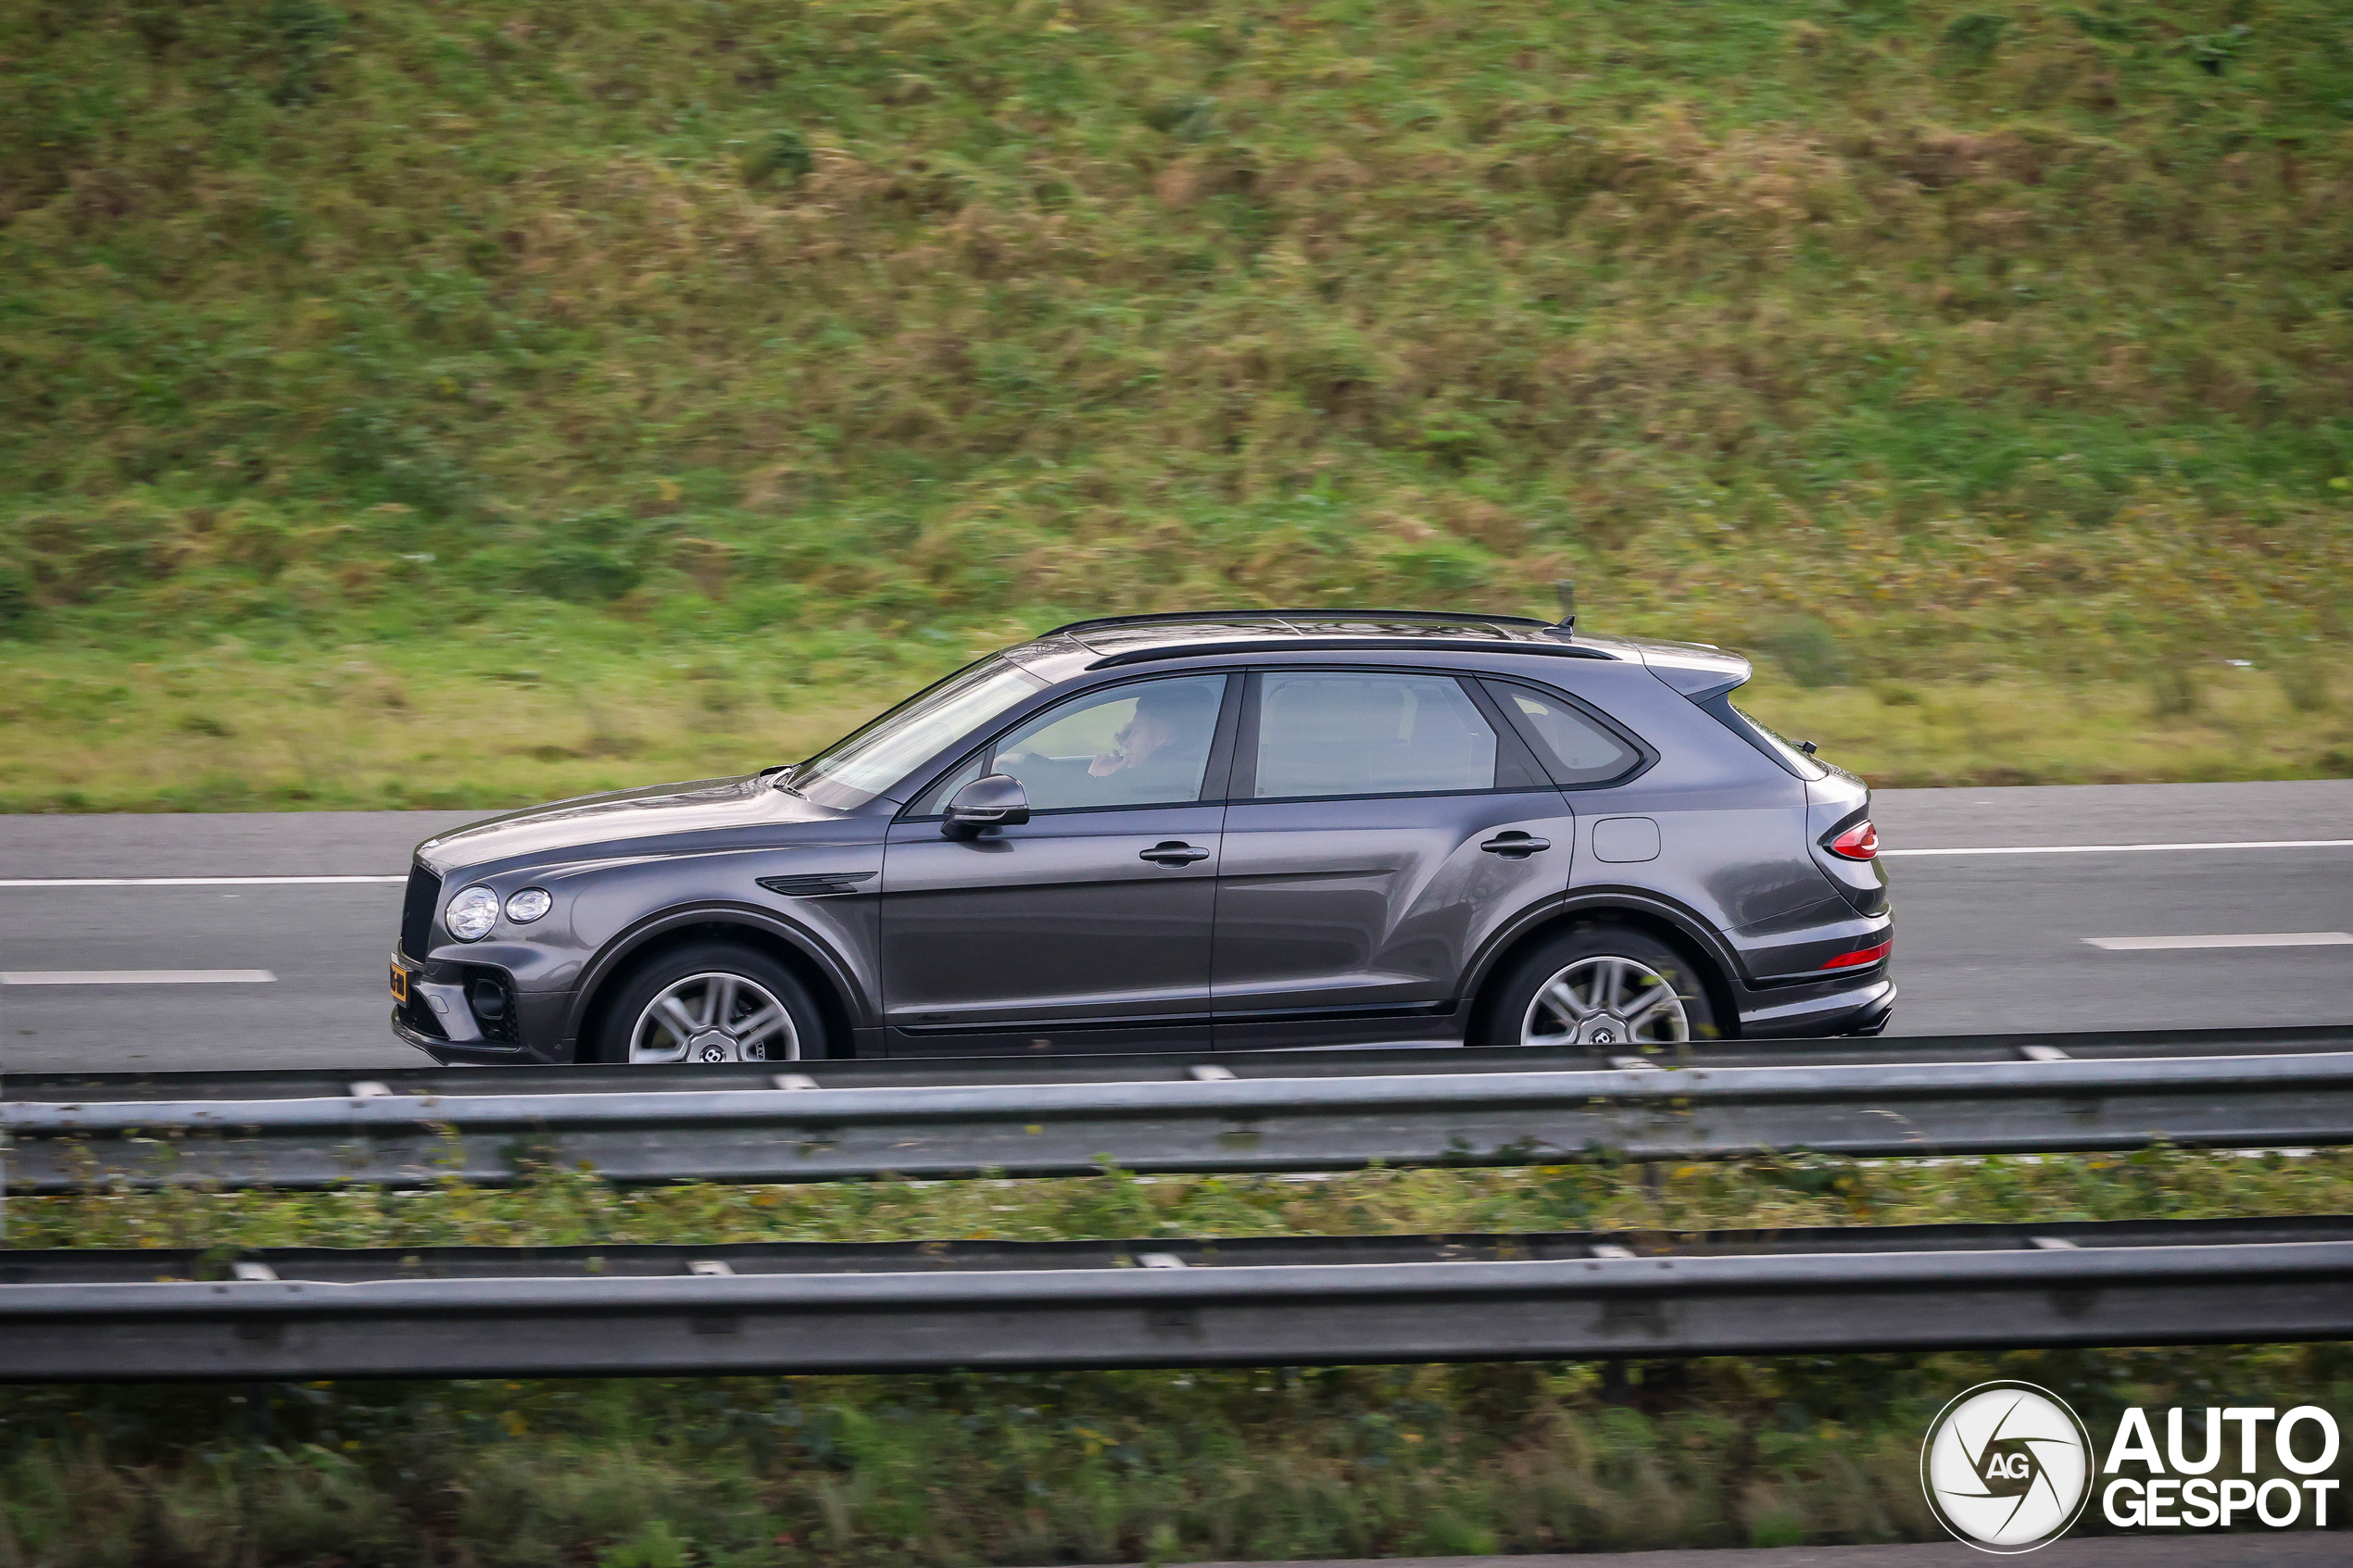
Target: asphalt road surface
[
  {"x": 1985, "y": 941},
  {"x": 2149, "y": 1549}
]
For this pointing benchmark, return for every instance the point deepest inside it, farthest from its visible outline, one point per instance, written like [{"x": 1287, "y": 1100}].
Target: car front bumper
[
  {"x": 456, "y": 1053},
  {"x": 442, "y": 1010}
]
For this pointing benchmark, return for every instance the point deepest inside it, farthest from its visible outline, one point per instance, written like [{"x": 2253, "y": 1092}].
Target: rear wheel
[
  {"x": 1603, "y": 987},
  {"x": 709, "y": 1001}
]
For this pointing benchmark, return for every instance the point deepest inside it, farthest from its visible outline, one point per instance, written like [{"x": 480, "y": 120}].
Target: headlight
[
  {"x": 529, "y": 905},
  {"x": 471, "y": 914}
]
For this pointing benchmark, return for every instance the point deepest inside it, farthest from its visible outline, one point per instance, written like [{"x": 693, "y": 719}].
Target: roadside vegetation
[
  {"x": 912, "y": 1472},
  {"x": 1100, "y": 1467},
  {"x": 462, "y": 404},
  {"x": 563, "y": 703},
  {"x": 1982, "y": 366},
  {"x": 573, "y": 1209}
]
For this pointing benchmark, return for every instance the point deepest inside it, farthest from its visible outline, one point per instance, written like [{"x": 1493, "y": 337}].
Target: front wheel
[
  {"x": 1605, "y": 987},
  {"x": 709, "y": 1002}
]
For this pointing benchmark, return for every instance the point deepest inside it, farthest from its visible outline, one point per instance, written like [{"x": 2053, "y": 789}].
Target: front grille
[{"x": 417, "y": 912}]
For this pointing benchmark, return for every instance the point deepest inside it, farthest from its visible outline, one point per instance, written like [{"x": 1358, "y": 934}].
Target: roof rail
[
  {"x": 1178, "y": 616},
  {"x": 1301, "y": 645}
]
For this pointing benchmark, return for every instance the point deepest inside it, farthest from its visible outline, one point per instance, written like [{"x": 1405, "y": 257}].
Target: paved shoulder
[
  {"x": 220, "y": 844},
  {"x": 2199, "y": 1549}
]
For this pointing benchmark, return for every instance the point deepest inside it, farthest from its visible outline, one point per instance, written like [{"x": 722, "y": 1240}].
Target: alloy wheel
[
  {"x": 1606, "y": 1001},
  {"x": 715, "y": 1017}
]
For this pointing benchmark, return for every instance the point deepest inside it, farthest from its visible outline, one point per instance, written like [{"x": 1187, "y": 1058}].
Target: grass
[
  {"x": 820, "y": 1471},
  {"x": 562, "y": 704},
  {"x": 1969, "y": 346},
  {"x": 465, "y": 403},
  {"x": 2212, "y": 722},
  {"x": 575, "y": 1209},
  {"x": 1019, "y": 1469},
  {"x": 481, "y": 718}
]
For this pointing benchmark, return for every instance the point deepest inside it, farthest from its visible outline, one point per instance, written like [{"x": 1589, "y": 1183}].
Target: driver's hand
[{"x": 1105, "y": 764}]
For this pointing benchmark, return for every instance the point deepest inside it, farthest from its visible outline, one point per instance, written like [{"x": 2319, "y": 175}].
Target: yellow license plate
[{"x": 399, "y": 984}]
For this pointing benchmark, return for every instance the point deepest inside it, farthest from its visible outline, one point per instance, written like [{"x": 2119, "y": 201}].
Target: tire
[
  {"x": 1659, "y": 1000},
  {"x": 700, "y": 979}
]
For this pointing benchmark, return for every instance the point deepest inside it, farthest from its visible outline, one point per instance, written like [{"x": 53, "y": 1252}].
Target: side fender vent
[{"x": 816, "y": 885}]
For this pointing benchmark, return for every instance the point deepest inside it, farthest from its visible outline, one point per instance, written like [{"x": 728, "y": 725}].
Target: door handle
[
  {"x": 1515, "y": 846},
  {"x": 1175, "y": 852}
]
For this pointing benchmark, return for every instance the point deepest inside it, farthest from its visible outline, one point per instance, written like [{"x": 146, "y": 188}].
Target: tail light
[
  {"x": 1868, "y": 955},
  {"x": 1857, "y": 842}
]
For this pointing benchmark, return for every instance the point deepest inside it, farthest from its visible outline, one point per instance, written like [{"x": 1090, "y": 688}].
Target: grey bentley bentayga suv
[{"x": 1215, "y": 830}]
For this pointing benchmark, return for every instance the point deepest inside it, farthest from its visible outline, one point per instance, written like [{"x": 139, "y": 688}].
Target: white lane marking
[
  {"x": 2135, "y": 848},
  {"x": 188, "y": 881},
  {"x": 136, "y": 977},
  {"x": 2250, "y": 939}
]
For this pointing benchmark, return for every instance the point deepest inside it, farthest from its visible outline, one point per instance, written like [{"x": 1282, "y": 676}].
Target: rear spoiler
[{"x": 1695, "y": 669}]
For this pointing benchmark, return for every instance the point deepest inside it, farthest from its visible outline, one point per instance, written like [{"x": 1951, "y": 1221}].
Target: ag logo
[{"x": 2008, "y": 1467}]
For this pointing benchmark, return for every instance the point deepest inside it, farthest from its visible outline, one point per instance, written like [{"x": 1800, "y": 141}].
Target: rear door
[
  {"x": 1383, "y": 825},
  {"x": 1088, "y": 927}
]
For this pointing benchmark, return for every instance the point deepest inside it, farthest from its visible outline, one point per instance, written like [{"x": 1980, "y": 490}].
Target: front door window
[{"x": 1143, "y": 745}]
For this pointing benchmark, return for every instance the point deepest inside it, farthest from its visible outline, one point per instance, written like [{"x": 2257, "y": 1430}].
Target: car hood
[{"x": 716, "y": 813}]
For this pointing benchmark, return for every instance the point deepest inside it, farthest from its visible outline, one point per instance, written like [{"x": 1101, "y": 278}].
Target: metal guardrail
[
  {"x": 314, "y": 1082},
  {"x": 73, "y": 1316},
  {"x": 1489, "y": 1114}
]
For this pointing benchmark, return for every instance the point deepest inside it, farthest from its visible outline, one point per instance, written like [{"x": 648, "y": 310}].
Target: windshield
[{"x": 869, "y": 761}]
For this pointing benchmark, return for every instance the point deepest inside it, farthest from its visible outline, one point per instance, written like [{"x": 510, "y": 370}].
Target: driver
[{"x": 1158, "y": 754}]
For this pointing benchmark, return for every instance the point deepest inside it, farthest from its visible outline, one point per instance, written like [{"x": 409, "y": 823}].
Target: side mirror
[{"x": 994, "y": 801}]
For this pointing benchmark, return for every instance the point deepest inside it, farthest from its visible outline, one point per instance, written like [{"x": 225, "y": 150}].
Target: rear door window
[{"x": 1332, "y": 733}]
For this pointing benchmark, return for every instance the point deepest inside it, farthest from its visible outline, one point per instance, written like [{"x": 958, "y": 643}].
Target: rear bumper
[{"x": 1858, "y": 1005}]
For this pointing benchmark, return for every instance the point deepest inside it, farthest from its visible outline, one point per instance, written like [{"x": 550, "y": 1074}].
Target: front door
[
  {"x": 1086, "y": 928},
  {"x": 1383, "y": 825}
]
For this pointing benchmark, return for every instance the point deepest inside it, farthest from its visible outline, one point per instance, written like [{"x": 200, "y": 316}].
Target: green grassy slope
[{"x": 1937, "y": 339}]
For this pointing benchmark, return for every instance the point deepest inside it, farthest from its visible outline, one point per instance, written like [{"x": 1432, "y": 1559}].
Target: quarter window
[
  {"x": 1575, "y": 748},
  {"x": 1325, "y": 732}
]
